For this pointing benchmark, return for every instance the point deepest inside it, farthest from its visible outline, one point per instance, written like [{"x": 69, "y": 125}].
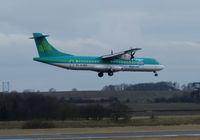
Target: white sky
[{"x": 166, "y": 30}]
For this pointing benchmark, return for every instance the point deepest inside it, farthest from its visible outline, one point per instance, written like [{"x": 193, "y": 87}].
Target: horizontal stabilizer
[{"x": 38, "y": 36}]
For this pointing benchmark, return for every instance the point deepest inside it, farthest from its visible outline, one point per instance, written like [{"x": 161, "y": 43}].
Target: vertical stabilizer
[{"x": 44, "y": 48}]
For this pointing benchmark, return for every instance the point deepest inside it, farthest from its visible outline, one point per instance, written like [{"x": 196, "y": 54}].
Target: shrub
[{"x": 36, "y": 124}]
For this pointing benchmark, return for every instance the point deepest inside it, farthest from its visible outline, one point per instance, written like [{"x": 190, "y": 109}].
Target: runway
[{"x": 103, "y": 135}]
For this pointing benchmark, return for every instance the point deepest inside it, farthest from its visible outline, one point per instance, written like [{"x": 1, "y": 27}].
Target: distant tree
[
  {"x": 189, "y": 86},
  {"x": 96, "y": 112},
  {"x": 127, "y": 100},
  {"x": 28, "y": 91},
  {"x": 52, "y": 90},
  {"x": 74, "y": 89},
  {"x": 3, "y": 113},
  {"x": 110, "y": 88},
  {"x": 14, "y": 91},
  {"x": 123, "y": 86},
  {"x": 160, "y": 86},
  {"x": 176, "y": 85},
  {"x": 119, "y": 110},
  {"x": 184, "y": 87}
]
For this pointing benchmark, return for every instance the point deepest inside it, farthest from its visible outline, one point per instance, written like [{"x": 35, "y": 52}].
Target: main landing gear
[
  {"x": 100, "y": 74},
  {"x": 110, "y": 73},
  {"x": 155, "y": 73}
]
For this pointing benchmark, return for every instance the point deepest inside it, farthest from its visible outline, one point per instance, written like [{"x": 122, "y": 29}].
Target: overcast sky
[{"x": 166, "y": 30}]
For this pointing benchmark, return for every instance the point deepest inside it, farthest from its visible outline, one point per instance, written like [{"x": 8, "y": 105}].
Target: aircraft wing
[{"x": 119, "y": 54}]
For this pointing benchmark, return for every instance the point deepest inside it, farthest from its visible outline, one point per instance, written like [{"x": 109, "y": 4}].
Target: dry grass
[
  {"x": 153, "y": 138},
  {"x": 99, "y": 130},
  {"x": 135, "y": 121}
]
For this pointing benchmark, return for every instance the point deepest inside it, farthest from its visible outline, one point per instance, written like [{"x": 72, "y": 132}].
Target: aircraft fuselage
[{"x": 99, "y": 65}]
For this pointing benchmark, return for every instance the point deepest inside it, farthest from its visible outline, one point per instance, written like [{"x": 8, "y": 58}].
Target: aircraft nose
[{"x": 161, "y": 67}]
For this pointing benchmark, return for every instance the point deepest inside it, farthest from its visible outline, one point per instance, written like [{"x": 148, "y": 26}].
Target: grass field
[
  {"x": 164, "y": 106},
  {"x": 135, "y": 121},
  {"x": 99, "y": 130},
  {"x": 164, "y": 109},
  {"x": 153, "y": 138}
]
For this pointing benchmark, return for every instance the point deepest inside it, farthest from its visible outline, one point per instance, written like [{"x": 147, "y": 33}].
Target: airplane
[{"x": 113, "y": 62}]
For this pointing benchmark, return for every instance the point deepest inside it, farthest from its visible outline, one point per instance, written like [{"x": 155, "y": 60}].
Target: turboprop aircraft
[{"x": 113, "y": 62}]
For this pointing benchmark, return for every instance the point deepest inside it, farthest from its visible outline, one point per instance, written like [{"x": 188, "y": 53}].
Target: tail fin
[{"x": 44, "y": 48}]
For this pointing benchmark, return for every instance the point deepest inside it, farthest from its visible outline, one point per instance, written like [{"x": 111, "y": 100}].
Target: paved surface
[{"x": 103, "y": 135}]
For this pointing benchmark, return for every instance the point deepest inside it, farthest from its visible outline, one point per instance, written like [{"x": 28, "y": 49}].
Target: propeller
[{"x": 132, "y": 54}]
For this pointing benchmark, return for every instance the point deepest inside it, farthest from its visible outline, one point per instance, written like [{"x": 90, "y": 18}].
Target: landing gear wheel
[
  {"x": 100, "y": 74},
  {"x": 110, "y": 73},
  {"x": 155, "y": 73}
]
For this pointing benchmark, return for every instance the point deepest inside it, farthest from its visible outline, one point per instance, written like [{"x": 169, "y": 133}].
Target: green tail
[{"x": 44, "y": 48}]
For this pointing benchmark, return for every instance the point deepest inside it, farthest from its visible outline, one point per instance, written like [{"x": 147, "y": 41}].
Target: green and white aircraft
[{"x": 114, "y": 62}]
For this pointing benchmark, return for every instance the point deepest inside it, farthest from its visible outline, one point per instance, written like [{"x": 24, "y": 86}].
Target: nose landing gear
[{"x": 155, "y": 73}]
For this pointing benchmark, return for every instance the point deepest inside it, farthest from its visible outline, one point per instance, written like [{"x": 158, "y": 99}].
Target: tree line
[
  {"x": 32, "y": 106},
  {"x": 158, "y": 86},
  {"x": 193, "y": 97}
]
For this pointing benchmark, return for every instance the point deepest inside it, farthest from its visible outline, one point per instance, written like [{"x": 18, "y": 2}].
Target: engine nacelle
[{"x": 125, "y": 57}]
